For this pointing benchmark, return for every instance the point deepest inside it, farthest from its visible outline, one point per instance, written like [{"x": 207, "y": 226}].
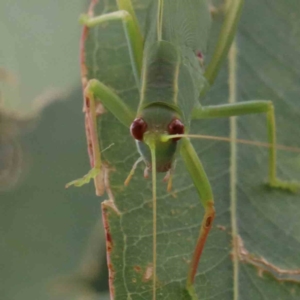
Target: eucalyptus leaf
[{"x": 253, "y": 249}]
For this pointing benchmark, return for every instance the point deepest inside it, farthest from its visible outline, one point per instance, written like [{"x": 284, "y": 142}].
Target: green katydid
[{"x": 171, "y": 78}]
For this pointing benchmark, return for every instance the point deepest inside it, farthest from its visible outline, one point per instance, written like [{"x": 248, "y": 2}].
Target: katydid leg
[
  {"x": 132, "y": 32},
  {"x": 227, "y": 33},
  {"x": 169, "y": 177},
  {"x": 201, "y": 182},
  {"x": 95, "y": 91},
  {"x": 246, "y": 108},
  {"x": 111, "y": 101}
]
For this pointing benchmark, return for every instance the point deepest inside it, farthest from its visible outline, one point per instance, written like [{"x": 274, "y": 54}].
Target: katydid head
[{"x": 148, "y": 128}]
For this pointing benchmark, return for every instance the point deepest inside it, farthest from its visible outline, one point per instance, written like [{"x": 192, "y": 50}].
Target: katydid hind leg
[
  {"x": 247, "y": 108},
  {"x": 232, "y": 15},
  {"x": 201, "y": 182},
  {"x": 95, "y": 91}
]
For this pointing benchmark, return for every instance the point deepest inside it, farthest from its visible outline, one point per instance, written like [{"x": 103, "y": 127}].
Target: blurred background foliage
[
  {"x": 44, "y": 229},
  {"x": 39, "y": 43}
]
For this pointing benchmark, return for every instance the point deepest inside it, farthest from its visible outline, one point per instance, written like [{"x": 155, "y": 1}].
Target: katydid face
[{"x": 154, "y": 121}]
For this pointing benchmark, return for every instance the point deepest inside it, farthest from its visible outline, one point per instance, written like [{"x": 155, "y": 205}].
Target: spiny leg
[
  {"x": 96, "y": 90},
  {"x": 133, "y": 35},
  {"x": 201, "y": 182},
  {"x": 246, "y": 108},
  {"x": 232, "y": 15}
]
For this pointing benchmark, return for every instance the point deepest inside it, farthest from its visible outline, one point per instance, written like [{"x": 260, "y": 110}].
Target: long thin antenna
[
  {"x": 153, "y": 158},
  {"x": 226, "y": 139}
]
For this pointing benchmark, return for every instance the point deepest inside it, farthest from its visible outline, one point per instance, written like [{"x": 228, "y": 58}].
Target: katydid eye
[
  {"x": 138, "y": 128},
  {"x": 176, "y": 127}
]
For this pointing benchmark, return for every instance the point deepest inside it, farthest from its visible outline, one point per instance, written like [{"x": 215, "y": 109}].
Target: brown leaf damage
[
  {"x": 264, "y": 266},
  {"x": 108, "y": 206},
  {"x": 148, "y": 273}
]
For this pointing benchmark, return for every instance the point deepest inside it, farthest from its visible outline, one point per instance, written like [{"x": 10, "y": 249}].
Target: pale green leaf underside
[{"x": 268, "y": 221}]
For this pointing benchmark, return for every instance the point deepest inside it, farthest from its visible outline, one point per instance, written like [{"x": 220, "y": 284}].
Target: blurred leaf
[
  {"x": 39, "y": 46},
  {"x": 44, "y": 228},
  {"x": 34, "y": 70},
  {"x": 266, "y": 220},
  {"x": 90, "y": 280}
]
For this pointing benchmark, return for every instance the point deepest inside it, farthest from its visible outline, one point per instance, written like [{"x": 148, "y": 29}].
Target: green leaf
[{"x": 262, "y": 223}]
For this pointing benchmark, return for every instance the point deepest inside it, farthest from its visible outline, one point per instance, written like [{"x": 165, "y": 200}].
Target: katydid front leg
[
  {"x": 95, "y": 90},
  {"x": 246, "y": 108},
  {"x": 201, "y": 182}
]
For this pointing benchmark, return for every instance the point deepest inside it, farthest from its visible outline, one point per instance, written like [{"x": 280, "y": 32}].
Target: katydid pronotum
[{"x": 168, "y": 69}]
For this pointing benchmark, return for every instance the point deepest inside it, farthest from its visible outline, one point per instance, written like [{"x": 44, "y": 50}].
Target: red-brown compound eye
[
  {"x": 176, "y": 127},
  {"x": 138, "y": 128}
]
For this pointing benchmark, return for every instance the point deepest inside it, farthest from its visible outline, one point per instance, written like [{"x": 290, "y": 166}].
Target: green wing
[{"x": 185, "y": 23}]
